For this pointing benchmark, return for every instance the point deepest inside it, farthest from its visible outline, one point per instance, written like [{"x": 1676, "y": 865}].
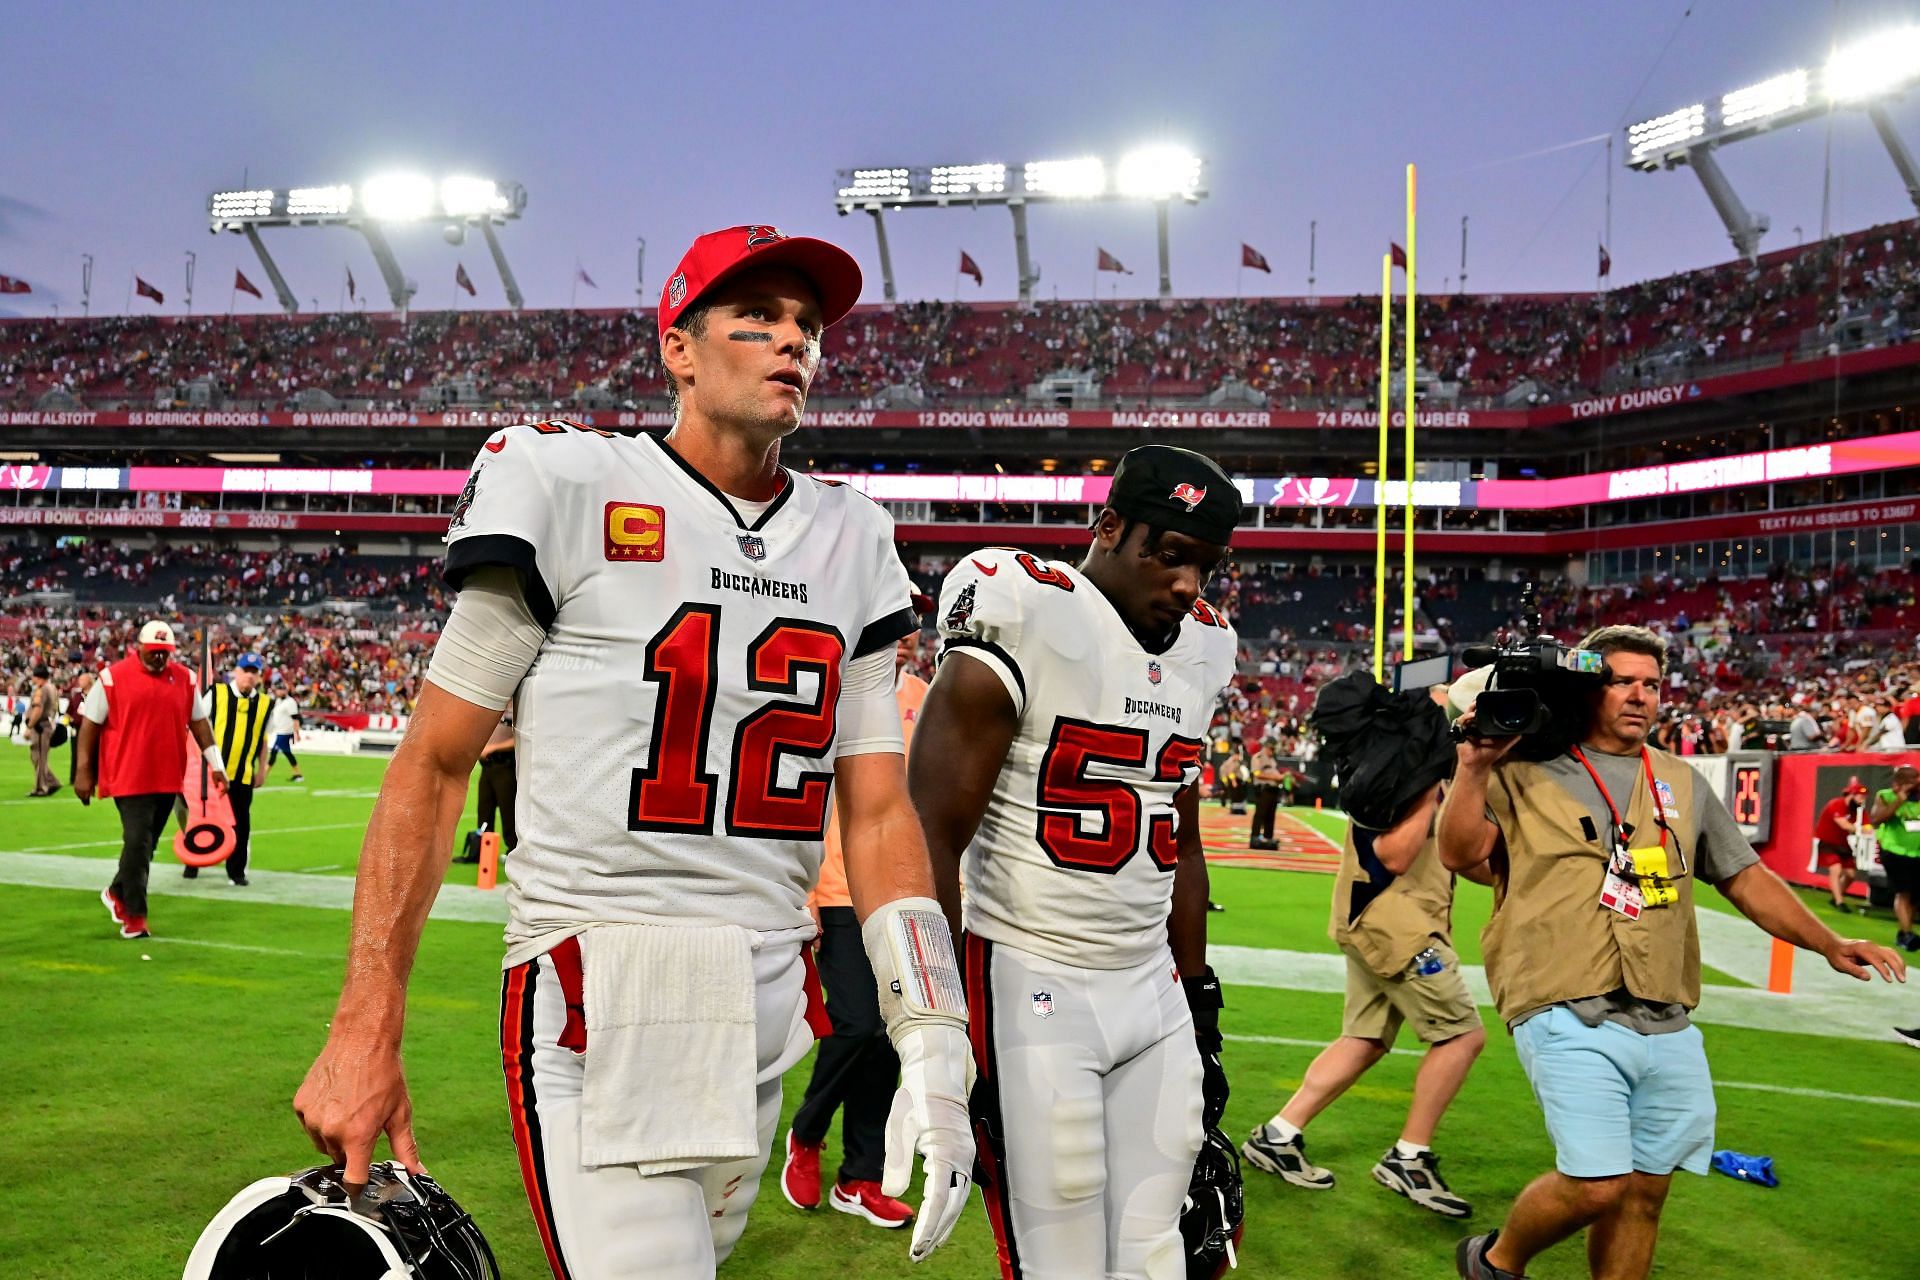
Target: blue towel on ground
[{"x": 1758, "y": 1169}]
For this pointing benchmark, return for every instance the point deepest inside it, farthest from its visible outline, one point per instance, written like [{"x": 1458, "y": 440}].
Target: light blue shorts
[{"x": 1617, "y": 1101}]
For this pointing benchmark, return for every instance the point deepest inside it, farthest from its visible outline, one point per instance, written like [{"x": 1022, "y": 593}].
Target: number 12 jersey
[{"x": 676, "y": 732}]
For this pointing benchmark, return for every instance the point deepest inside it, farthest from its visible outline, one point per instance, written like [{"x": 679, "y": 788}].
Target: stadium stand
[{"x": 1860, "y": 291}]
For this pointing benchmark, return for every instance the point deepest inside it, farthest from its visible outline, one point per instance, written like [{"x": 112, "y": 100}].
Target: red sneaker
[
  {"x": 800, "y": 1179},
  {"x": 862, "y": 1198},
  {"x": 113, "y": 905},
  {"x": 135, "y": 927}
]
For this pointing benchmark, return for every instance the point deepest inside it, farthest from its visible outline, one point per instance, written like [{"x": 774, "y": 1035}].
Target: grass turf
[{"x": 144, "y": 1092}]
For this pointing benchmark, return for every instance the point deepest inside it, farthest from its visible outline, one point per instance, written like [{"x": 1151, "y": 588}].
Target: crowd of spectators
[
  {"x": 1860, "y": 290},
  {"x": 1747, "y": 657}
]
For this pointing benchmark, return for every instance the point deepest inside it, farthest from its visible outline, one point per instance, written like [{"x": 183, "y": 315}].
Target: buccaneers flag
[
  {"x": 146, "y": 290},
  {"x": 968, "y": 267},
  {"x": 1252, "y": 257},
  {"x": 461, "y": 278},
  {"x": 11, "y": 284},
  {"x": 1110, "y": 263},
  {"x": 243, "y": 284}
]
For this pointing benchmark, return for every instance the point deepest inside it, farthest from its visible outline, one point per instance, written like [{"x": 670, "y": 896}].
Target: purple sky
[{"x": 663, "y": 121}]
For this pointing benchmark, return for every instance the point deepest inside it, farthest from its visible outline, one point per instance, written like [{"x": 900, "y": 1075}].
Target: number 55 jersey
[
  {"x": 1074, "y": 858},
  {"x": 676, "y": 732}
]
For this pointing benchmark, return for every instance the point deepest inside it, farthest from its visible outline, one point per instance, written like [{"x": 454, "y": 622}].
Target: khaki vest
[
  {"x": 1403, "y": 920},
  {"x": 1550, "y": 940}
]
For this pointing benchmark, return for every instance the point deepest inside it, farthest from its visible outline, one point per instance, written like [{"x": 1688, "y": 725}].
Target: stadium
[{"x": 1720, "y": 451}]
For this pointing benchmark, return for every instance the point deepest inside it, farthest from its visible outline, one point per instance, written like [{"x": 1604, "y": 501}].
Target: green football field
[{"x": 147, "y": 1081}]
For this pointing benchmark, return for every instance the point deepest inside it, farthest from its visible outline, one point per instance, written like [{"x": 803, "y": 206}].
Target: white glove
[
  {"x": 930, "y": 1116},
  {"x": 925, "y": 1009}
]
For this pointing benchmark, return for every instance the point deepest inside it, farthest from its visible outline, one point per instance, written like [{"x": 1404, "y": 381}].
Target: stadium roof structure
[
  {"x": 1860, "y": 76},
  {"x": 458, "y": 201},
  {"x": 1153, "y": 174}
]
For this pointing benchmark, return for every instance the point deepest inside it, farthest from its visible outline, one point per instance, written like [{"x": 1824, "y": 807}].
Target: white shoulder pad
[{"x": 982, "y": 613}]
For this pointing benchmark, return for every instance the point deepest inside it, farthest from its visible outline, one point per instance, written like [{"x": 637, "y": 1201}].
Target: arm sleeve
[
  {"x": 868, "y": 710},
  {"x": 94, "y": 705},
  {"x": 489, "y": 641},
  {"x": 507, "y": 515},
  {"x": 202, "y": 705},
  {"x": 890, "y": 616},
  {"x": 980, "y": 616}
]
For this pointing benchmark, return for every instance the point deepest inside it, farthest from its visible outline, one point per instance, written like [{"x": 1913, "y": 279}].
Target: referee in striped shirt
[{"x": 240, "y": 728}]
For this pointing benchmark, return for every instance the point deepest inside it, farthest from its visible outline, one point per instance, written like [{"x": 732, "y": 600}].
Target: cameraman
[
  {"x": 1896, "y": 825},
  {"x": 1593, "y": 957}
]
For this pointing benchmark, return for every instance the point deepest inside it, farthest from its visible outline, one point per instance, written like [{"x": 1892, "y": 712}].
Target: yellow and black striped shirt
[{"x": 239, "y": 723}]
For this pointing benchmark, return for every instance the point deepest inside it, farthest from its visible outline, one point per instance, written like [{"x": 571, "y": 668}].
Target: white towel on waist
[{"x": 671, "y": 1051}]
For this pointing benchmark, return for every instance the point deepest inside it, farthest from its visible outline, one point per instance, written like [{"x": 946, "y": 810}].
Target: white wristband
[
  {"x": 211, "y": 753},
  {"x": 911, "y": 951}
]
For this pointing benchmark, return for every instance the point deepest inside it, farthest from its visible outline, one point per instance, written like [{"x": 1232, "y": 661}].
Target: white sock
[
  {"x": 1408, "y": 1150},
  {"x": 1281, "y": 1130}
]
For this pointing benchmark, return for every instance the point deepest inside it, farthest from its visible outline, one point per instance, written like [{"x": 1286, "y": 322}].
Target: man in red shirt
[
  {"x": 133, "y": 746},
  {"x": 1838, "y": 821}
]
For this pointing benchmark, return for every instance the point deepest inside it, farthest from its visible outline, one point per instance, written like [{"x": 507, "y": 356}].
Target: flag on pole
[
  {"x": 968, "y": 267},
  {"x": 243, "y": 284},
  {"x": 1252, "y": 257},
  {"x": 146, "y": 290},
  {"x": 1606, "y": 262},
  {"x": 1399, "y": 257},
  {"x": 585, "y": 279},
  {"x": 1110, "y": 263},
  {"x": 12, "y": 284},
  {"x": 352, "y": 294},
  {"x": 461, "y": 278}
]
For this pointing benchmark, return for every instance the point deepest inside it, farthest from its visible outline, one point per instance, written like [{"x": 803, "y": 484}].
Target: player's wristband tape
[
  {"x": 211, "y": 753},
  {"x": 911, "y": 949}
]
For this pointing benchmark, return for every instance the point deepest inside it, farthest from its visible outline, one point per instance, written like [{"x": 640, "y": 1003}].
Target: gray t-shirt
[
  {"x": 1804, "y": 734},
  {"x": 1719, "y": 853}
]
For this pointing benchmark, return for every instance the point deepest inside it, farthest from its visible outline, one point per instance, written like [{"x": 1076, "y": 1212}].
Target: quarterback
[
  {"x": 1056, "y": 754},
  {"x": 701, "y": 644}
]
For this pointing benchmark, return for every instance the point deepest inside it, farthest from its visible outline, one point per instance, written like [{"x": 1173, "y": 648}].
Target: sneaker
[
  {"x": 239, "y": 882},
  {"x": 862, "y": 1198},
  {"x": 1214, "y": 906},
  {"x": 1906, "y": 942},
  {"x": 50, "y": 790},
  {"x": 298, "y": 777},
  {"x": 135, "y": 927},
  {"x": 800, "y": 1178},
  {"x": 1289, "y": 1160},
  {"x": 189, "y": 873},
  {"x": 1418, "y": 1179},
  {"x": 114, "y": 906},
  {"x": 1910, "y": 1034},
  {"x": 1470, "y": 1259}
]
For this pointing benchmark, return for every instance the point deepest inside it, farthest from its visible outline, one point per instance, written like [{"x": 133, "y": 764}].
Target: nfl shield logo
[
  {"x": 1153, "y": 673},
  {"x": 1043, "y": 1004},
  {"x": 1663, "y": 799},
  {"x": 753, "y": 546}
]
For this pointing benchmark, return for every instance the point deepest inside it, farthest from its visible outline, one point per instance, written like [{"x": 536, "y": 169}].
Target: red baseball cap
[
  {"x": 718, "y": 255},
  {"x": 1855, "y": 786}
]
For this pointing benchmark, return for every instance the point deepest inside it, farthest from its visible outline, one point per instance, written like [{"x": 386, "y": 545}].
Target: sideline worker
[
  {"x": 133, "y": 730},
  {"x": 1593, "y": 957}
]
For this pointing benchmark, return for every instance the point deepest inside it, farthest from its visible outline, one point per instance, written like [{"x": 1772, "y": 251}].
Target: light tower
[
  {"x": 457, "y": 201},
  {"x": 1156, "y": 175},
  {"x": 1862, "y": 76}
]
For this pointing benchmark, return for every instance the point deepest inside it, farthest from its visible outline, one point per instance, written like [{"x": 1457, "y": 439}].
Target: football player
[
  {"x": 702, "y": 645},
  {"x": 1058, "y": 752}
]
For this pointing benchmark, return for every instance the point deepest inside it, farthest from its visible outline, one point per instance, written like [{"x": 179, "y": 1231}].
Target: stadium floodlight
[
  {"x": 462, "y": 197},
  {"x": 1676, "y": 128},
  {"x": 1860, "y": 75},
  {"x": 397, "y": 197},
  {"x": 1081, "y": 179},
  {"x": 1760, "y": 101},
  {"x": 965, "y": 179},
  {"x": 1157, "y": 174},
  {"x": 876, "y": 184},
  {"x": 1160, "y": 173},
  {"x": 459, "y": 199},
  {"x": 1870, "y": 68},
  {"x": 319, "y": 202},
  {"x": 240, "y": 204}
]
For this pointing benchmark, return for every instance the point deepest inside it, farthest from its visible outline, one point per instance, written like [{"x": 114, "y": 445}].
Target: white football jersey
[
  {"x": 676, "y": 732},
  {"x": 1074, "y": 858}
]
